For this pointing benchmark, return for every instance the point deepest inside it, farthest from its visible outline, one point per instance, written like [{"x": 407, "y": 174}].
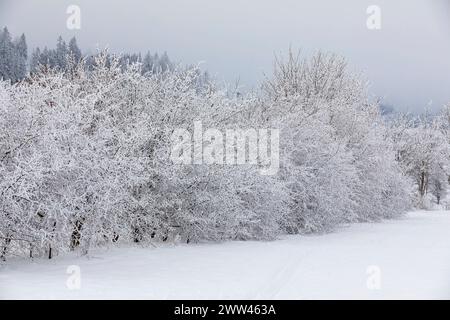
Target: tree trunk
[
  {"x": 5, "y": 248},
  {"x": 422, "y": 184},
  {"x": 76, "y": 234},
  {"x": 50, "y": 253}
]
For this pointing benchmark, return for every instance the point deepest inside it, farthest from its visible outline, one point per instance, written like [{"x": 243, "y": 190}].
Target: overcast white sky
[{"x": 407, "y": 61}]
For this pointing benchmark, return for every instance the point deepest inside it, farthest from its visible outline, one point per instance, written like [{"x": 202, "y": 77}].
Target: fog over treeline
[{"x": 406, "y": 61}]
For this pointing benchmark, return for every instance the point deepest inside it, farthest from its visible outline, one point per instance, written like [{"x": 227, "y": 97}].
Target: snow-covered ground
[{"x": 406, "y": 258}]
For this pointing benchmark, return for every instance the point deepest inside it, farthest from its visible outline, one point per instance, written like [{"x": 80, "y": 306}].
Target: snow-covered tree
[
  {"x": 13, "y": 57},
  {"x": 20, "y": 58},
  {"x": 74, "y": 50},
  {"x": 336, "y": 163},
  {"x": 61, "y": 53},
  {"x": 6, "y": 55},
  {"x": 424, "y": 152}
]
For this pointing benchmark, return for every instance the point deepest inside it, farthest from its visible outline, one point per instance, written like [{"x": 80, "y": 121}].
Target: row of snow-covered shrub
[{"x": 85, "y": 158}]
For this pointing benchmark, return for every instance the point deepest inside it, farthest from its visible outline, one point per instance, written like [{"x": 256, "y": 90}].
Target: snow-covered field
[{"x": 406, "y": 258}]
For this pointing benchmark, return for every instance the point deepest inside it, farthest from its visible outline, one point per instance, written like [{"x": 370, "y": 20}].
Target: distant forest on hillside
[{"x": 16, "y": 63}]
